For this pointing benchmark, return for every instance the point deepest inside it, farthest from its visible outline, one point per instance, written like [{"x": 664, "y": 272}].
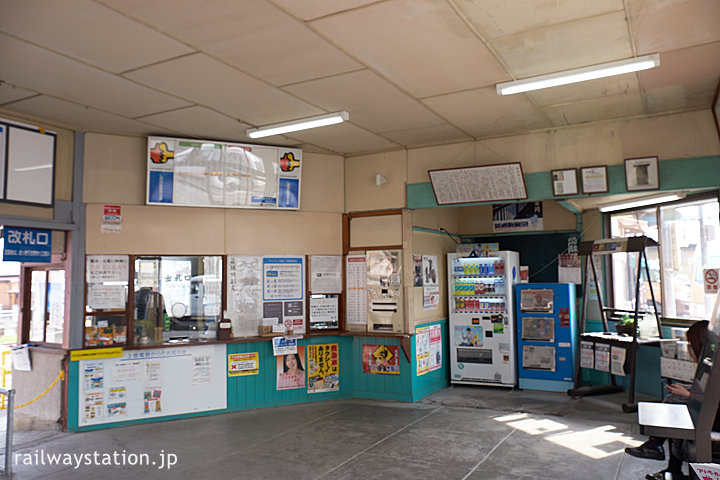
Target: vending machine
[
  {"x": 547, "y": 335},
  {"x": 482, "y": 327}
]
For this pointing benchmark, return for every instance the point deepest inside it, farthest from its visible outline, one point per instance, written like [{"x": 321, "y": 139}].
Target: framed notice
[
  {"x": 27, "y": 164},
  {"x": 487, "y": 183},
  {"x": 186, "y": 172},
  {"x": 564, "y": 182},
  {"x": 594, "y": 179},
  {"x": 641, "y": 174}
]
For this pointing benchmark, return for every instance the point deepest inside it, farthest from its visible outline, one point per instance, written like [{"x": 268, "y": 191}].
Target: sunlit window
[{"x": 689, "y": 237}]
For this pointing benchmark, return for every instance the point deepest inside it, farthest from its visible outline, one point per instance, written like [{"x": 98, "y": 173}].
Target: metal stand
[{"x": 631, "y": 342}]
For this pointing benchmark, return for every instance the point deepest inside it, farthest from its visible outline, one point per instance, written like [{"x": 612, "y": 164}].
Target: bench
[{"x": 694, "y": 420}]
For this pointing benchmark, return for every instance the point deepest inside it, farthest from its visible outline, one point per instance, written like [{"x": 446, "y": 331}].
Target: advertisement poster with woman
[{"x": 291, "y": 370}]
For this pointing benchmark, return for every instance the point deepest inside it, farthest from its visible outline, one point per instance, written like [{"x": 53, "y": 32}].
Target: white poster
[
  {"x": 587, "y": 355},
  {"x": 326, "y": 274},
  {"x": 107, "y": 268},
  {"x": 431, "y": 297},
  {"x": 435, "y": 347},
  {"x": 356, "y": 284},
  {"x": 105, "y": 297},
  {"x": 602, "y": 357},
  {"x": 430, "y": 270},
  {"x": 422, "y": 350},
  {"x": 617, "y": 361}
]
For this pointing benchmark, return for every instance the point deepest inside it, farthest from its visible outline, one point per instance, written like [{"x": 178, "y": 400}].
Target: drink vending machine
[
  {"x": 547, "y": 336},
  {"x": 482, "y": 327}
]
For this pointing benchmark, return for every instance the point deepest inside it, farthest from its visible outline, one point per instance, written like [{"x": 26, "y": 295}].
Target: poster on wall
[
  {"x": 326, "y": 273},
  {"x": 185, "y": 172},
  {"x": 242, "y": 364},
  {"x": 569, "y": 268},
  {"x": 290, "y": 369},
  {"x": 422, "y": 350},
  {"x": 283, "y": 294},
  {"x": 323, "y": 372},
  {"x": 517, "y": 217},
  {"x": 435, "y": 347},
  {"x": 381, "y": 359},
  {"x": 356, "y": 289}
]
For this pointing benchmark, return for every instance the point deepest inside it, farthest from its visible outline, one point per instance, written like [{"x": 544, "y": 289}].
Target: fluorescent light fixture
[
  {"x": 579, "y": 74},
  {"x": 642, "y": 202},
  {"x": 302, "y": 124}
]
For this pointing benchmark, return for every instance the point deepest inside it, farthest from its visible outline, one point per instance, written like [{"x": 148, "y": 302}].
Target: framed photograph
[
  {"x": 641, "y": 174},
  {"x": 564, "y": 182},
  {"x": 594, "y": 179}
]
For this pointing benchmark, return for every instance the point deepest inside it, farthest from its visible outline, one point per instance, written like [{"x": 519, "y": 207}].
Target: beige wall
[
  {"x": 425, "y": 243},
  {"x": 115, "y": 169},
  {"x": 361, "y": 191},
  {"x": 64, "y": 148},
  {"x": 376, "y": 231}
]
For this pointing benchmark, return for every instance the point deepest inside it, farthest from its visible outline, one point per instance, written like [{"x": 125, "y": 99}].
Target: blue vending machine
[{"x": 547, "y": 336}]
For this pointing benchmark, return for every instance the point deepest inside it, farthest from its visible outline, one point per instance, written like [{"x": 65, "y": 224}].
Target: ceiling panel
[
  {"x": 309, "y": 9},
  {"x": 418, "y": 137},
  {"x": 408, "y": 42},
  {"x": 77, "y": 117},
  {"x": 578, "y": 92},
  {"x": 375, "y": 103},
  {"x": 569, "y": 45},
  {"x": 11, "y": 93},
  {"x": 203, "y": 80},
  {"x": 605, "y": 108},
  {"x": 673, "y": 24},
  {"x": 483, "y": 112},
  {"x": 498, "y": 18},
  {"x": 45, "y": 72},
  {"x": 89, "y": 32},
  {"x": 200, "y": 122},
  {"x": 344, "y": 137},
  {"x": 246, "y": 34}
]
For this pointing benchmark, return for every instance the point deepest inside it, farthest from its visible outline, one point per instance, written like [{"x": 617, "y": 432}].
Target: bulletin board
[
  {"x": 186, "y": 172},
  {"x": 478, "y": 184},
  {"x": 152, "y": 383},
  {"x": 27, "y": 154}
]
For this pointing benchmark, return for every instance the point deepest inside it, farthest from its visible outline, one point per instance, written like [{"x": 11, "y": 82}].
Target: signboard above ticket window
[{"x": 199, "y": 173}]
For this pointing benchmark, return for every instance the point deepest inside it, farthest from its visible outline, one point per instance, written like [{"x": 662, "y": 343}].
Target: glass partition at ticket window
[{"x": 177, "y": 299}]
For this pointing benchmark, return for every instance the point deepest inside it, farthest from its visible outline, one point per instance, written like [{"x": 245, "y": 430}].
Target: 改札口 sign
[{"x": 27, "y": 245}]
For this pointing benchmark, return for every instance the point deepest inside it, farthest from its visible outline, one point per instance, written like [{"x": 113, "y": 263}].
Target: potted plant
[{"x": 626, "y": 326}]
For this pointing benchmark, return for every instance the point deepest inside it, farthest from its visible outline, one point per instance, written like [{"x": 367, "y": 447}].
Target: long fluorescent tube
[
  {"x": 642, "y": 202},
  {"x": 295, "y": 125},
  {"x": 579, "y": 74}
]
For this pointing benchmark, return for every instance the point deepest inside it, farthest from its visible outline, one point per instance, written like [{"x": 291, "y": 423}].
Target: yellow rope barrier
[{"x": 61, "y": 376}]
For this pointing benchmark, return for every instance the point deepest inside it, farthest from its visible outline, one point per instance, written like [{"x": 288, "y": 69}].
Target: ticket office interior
[{"x": 93, "y": 170}]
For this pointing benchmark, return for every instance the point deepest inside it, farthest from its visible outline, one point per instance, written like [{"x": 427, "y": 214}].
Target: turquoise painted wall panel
[{"x": 675, "y": 174}]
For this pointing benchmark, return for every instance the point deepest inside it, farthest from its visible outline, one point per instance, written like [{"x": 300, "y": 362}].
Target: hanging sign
[{"x": 27, "y": 245}]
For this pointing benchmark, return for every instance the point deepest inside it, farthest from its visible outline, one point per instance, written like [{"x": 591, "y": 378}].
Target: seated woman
[{"x": 678, "y": 393}]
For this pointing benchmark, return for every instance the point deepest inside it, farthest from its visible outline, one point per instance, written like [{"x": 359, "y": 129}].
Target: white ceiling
[{"x": 409, "y": 72}]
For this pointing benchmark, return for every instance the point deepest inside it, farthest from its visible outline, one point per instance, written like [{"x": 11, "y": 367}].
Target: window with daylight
[{"x": 688, "y": 232}]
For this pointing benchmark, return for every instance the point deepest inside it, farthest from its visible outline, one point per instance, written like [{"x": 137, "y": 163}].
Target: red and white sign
[
  {"x": 710, "y": 278},
  {"x": 112, "y": 219}
]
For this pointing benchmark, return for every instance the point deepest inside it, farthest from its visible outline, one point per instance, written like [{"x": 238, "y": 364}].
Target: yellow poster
[
  {"x": 240, "y": 364},
  {"x": 323, "y": 368}
]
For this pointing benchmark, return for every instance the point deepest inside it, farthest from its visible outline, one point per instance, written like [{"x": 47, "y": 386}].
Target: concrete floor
[{"x": 463, "y": 432}]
